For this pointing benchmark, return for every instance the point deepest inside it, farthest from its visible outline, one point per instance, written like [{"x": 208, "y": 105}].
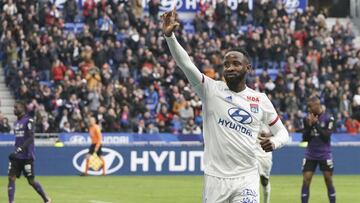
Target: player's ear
[{"x": 248, "y": 68}]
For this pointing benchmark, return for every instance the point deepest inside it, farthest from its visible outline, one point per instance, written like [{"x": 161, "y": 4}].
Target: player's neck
[
  {"x": 237, "y": 87},
  {"x": 19, "y": 117}
]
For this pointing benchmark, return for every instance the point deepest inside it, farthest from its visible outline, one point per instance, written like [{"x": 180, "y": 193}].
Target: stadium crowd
[{"x": 116, "y": 65}]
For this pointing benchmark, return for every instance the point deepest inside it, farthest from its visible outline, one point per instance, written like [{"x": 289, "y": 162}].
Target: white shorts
[
  {"x": 264, "y": 165},
  {"x": 231, "y": 190}
]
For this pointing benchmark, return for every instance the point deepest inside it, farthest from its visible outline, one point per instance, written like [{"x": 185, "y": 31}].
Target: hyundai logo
[
  {"x": 167, "y": 5},
  {"x": 113, "y": 161},
  {"x": 78, "y": 139},
  {"x": 291, "y": 3},
  {"x": 240, "y": 115}
]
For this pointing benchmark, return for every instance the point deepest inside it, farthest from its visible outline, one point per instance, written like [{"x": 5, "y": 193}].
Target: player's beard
[{"x": 233, "y": 79}]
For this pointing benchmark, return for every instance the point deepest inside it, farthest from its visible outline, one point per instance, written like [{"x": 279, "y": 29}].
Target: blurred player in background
[
  {"x": 265, "y": 164},
  {"x": 318, "y": 126},
  {"x": 22, "y": 159},
  {"x": 232, "y": 115},
  {"x": 96, "y": 137}
]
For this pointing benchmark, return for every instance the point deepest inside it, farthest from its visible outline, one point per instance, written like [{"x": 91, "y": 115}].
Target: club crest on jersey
[{"x": 254, "y": 108}]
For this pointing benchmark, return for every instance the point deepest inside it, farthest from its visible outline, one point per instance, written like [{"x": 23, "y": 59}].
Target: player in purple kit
[
  {"x": 22, "y": 159},
  {"x": 318, "y": 126}
]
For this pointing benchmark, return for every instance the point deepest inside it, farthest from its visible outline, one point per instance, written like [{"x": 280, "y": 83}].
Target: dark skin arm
[
  {"x": 308, "y": 124},
  {"x": 30, "y": 130},
  {"x": 326, "y": 132},
  {"x": 29, "y": 141},
  {"x": 265, "y": 142}
]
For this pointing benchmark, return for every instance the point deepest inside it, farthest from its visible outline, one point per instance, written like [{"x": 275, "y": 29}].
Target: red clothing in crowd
[
  {"x": 58, "y": 72},
  {"x": 88, "y": 6},
  {"x": 352, "y": 126}
]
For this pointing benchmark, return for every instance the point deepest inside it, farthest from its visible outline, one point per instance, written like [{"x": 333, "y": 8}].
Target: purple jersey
[
  {"x": 24, "y": 132},
  {"x": 318, "y": 137}
]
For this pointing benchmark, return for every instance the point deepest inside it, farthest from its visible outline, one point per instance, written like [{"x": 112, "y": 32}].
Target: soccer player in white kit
[
  {"x": 264, "y": 164},
  {"x": 232, "y": 115}
]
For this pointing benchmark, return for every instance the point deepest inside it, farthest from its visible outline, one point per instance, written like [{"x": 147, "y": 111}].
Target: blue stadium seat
[
  {"x": 79, "y": 27},
  {"x": 74, "y": 68},
  {"x": 47, "y": 83},
  {"x": 189, "y": 27},
  {"x": 272, "y": 72},
  {"x": 120, "y": 37},
  {"x": 73, "y": 27},
  {"x": 69, "y": 27}
]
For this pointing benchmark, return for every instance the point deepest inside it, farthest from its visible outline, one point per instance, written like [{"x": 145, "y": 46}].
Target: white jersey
[
  {"x": 231, "y": 126},
  {"x": 231, "y": 121}
]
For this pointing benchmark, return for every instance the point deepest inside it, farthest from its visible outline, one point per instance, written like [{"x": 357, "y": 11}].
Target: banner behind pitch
[
  {"x": 165, "y": 160},
  {"x": 127, "y": 160}
]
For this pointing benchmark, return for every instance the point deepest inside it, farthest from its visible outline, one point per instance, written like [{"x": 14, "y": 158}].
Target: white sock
[{"x": 266, "y": 192}]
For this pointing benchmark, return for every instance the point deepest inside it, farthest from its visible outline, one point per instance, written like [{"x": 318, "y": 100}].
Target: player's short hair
[
  {"x": 313, "y": 99},
  {"x": 21, "y": 102},
  {"x": 241, "y": 50}
]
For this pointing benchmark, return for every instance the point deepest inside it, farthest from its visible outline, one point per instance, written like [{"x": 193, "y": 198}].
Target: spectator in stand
[
  {"x": 154, "y": 9},
  {"x": 70, "y": 11},
  {"x": 356, "y": 104},
  {"x": 67, "y": 128},
  {"x": 125, "y": 53},
  {"x": 140, "y": 128},
  {"x": 242, "y": 11},
  {"x": 352, "y": 126},
  {"x": 137, "y": 8},
  {"x": 186, "y": 113},
  {"x": 89, "y": 6},
  {"x": 58, "y": 71},
  {"x": 191, "y": 128},
  {"x": 10, "y": 8},
  {"x": 164, "y": 115},
  {"x": 4, "y": 125}
]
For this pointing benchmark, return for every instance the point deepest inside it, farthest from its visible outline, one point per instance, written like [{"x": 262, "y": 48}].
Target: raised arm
[{"x": 181, "y": 57}]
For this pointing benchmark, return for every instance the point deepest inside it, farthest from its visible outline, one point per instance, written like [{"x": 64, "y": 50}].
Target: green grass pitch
[{"x": 166, "y": 189}]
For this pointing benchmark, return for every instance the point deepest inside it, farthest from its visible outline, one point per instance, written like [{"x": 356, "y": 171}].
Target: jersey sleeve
[
  {"x": 30, "y": 126},
  {"x": 204, "y": 88},
  {"x": 193, "y": 74},
  {"x": 270, "y": 115}
]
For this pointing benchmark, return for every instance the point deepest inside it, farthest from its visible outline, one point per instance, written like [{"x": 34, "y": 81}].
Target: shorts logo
[
  {"x": 240, "y": 115},
  {"x": 113, "y": 161},
  {"x": 330, "y": 163},
  {"x": 250, "y": 196},
  {"x": 248, "y": 200},
  {"x": 27, "y": 168}
]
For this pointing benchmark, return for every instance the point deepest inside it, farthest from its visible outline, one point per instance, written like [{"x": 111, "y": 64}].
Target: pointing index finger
[{"x": 174, "y": 9}]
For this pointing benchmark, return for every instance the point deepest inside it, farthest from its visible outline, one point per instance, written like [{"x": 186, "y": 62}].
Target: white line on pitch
[{"x": 97, "y": 201}]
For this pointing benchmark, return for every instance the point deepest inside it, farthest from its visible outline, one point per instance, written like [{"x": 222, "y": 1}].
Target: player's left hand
[{"x": 266, "y": 144}]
